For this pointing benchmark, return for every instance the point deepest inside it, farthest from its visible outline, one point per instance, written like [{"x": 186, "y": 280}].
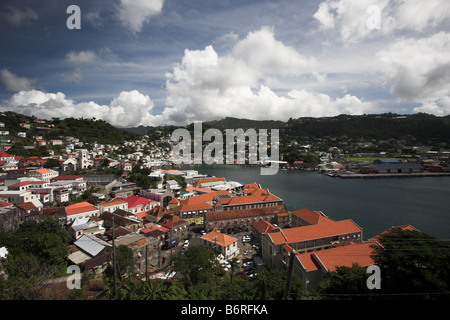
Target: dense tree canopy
[
  {"x": 413, "y": 265},
  {"x": 37, "y": 251}
]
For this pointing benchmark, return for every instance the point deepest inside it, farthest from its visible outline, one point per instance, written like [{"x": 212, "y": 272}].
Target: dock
[{"x": 390, "y": 175}]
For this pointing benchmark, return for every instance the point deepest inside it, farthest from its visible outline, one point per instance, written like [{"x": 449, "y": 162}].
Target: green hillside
[{"x": 87, "y": 130}]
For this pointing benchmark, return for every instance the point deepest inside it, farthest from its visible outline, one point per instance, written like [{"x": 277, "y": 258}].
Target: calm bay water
[{"x": 374, "y": 204}]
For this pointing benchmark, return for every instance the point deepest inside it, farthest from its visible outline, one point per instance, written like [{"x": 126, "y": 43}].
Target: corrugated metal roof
[
  {"x": 91, "y": 245},
  {"x": 78, "y": 257}
]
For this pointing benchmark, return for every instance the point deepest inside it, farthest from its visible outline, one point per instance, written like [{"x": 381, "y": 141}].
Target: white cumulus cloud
[
  {"x": 129, "y": 109},
  {"x": 355, "y": 20},
  {"x": 134, "y": 13},
  {"x": 419, "y": 70},
  {"x": 205, "y": 86}
]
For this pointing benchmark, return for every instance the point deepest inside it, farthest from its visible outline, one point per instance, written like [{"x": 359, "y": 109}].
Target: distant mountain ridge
[{"x": 419, "y": 127}]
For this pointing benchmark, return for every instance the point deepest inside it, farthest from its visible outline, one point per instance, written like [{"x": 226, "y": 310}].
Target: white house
[
  {"x": 112, "y": 206},
  {"x": 221, "y": 243},
  {"x": 18, "y": 197},
  {"x": 43, "y": 174}
]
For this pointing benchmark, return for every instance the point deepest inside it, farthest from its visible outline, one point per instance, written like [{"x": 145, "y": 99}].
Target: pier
[{"x": 390, "y": 175}]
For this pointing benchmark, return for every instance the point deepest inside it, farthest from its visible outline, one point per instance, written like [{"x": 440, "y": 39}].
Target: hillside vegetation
[{"x": 86, "y": 130}]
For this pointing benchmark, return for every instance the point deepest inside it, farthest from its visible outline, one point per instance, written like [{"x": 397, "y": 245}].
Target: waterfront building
[
  {"x": 243, "y": 219},
  {"x": 311, "y": 267},
  {"x": 306, "y": 217},
  {"x": 308, "y": 239}
]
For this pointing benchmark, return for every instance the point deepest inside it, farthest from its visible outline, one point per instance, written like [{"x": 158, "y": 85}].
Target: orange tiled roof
[
  {"x": 219, "y": 238},
  {"x": 207, "y": 197},
  {"x": 264, "y": 226},
  {"x": 250, "y": 188},
  {"x": 189, "y": 189},
  {"x": 192, "y": 207},
  {"x": 200, "y": 182},
  {"x": 112, "y": 203},
  {"x": 158, "y": 211},
  {"x": 346, "y": 256},
  {"x": 79, "y": 208},
  {"x": 315, "y": 231},
  {"x": 43, "y": 171},
  {"x": 170, "y": 221},
  {"x": 314, "y": 217},
  {"x": 244, "y": 213}
]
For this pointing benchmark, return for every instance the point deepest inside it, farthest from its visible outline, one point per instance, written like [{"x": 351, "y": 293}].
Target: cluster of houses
[
  {"x": 144, "y": 222},
  {"x": 143, "y": 219}
]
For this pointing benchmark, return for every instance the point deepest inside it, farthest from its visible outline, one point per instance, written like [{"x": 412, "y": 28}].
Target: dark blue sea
[{"x": 374, "y": 204}]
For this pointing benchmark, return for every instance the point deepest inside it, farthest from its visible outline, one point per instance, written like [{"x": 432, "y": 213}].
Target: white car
[
  {"x": 226, "y": 266},
  {"x": 186, "y": 243}
]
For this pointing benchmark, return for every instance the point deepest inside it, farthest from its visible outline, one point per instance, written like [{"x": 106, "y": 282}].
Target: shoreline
[{"x": 390, "y": 175}]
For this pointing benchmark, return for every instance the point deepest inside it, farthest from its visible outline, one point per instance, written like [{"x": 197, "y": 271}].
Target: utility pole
[
  {"x": 289, "y": 275},
  {"x": 114, "y": 257},
  {"x": 146, "y": 263}
]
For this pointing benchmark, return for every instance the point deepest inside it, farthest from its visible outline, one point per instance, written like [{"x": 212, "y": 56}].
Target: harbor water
[{"x": 374, "y": 204}]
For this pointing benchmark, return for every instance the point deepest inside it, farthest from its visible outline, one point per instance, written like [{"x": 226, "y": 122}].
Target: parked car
[
  {"x": 247, "y": 252},
  {"x": 257, "y": 246},
  {"x": 246, "y": 238},
  {"x": 186, "y": 244},
  {"x": 226, "y": 266},
  {"x": 247, "y": 264}
]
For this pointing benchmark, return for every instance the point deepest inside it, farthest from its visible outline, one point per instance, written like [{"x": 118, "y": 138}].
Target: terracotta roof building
[
  {"x": 80, "y": 212},
  {"x": 262, "y": 227},
  {"x": 308, "y": 238},
  {"x": 252, "y": 197},
  {"x": 194, "y": 213},
  {"x": 234, "y": 220},
  {"x": 175, "y": 225},
  {"x": 221, "y": 243},
  {"x": 312, "y": 266},
  {"x": 305, "y": 217},
  {"x": 155, "y": 214}
]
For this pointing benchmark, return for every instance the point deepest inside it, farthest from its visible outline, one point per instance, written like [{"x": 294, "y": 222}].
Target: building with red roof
[
  {"x": 137, "y": 204},
  {"x": 175, "y": 225},
  {"x": 221, "y": 243},
  {"x": 308, "y": 238},
  {"x": 253, "y": 197},
  {"x": 305, "y": 217},
  {"x": 311, "y": 267},
  {"x": 80, "y": 212},
  {"x": 194, "y": 213},
  {"x": 237, "y": 220}
]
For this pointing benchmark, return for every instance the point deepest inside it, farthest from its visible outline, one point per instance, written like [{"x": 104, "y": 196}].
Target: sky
[{"x": 173, "y": 62}]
